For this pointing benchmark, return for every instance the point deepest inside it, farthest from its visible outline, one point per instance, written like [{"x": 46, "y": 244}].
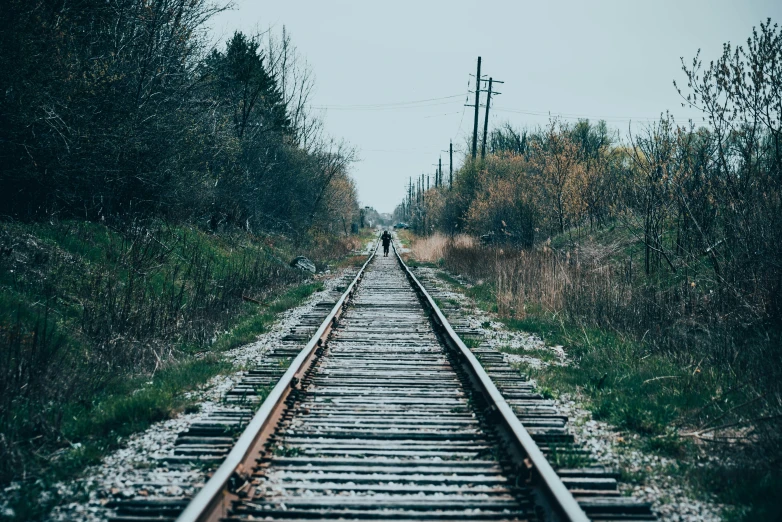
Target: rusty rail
[
  {"x": 225, "y": 485},
  {"x": 555, "y": 497}
]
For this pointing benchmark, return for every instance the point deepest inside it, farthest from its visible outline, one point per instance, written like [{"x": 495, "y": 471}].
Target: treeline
[
  {"x": 704, "y": 203},
  {"x": 114, "y": 110},
  {"x": 152, "y": 192}
]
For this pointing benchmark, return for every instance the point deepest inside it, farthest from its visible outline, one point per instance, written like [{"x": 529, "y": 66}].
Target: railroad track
[{"x": 385, "y": 414}]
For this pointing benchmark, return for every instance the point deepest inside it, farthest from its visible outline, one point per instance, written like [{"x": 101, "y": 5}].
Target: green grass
[
  {"x": 752, "y": 493},
  {"x": 54, "y": 436},
  {"x": 129, "y": 406},
  {"x": 95, "y": 429},
  {"x": 405, "y": 237},
  {"x": 471, "y": 342},
  {"x": 448, "y": 278},
  {"x": 565, "y": 456},
  {"x": 544, "y": 354},
  {"x": 257, "y": 318},
  {"x": 414, "y": 263},
  {"x": 294, "y": 297},
  {"x": 483, "y": 294},
  {"x": 626, "y": 384}
]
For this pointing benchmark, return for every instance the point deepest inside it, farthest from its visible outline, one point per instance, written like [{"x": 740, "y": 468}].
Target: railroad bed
[
  {"x": 383, "y": 426},
  {"x": 390, "y": 418}
]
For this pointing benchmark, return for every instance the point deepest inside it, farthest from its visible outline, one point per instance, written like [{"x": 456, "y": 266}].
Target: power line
[
  {"x": 398, "y": 151},
  {"x": 576, "y": 116},
  {"x": 363, "y": 106},
  {"x": 371, "y": 109},
  {"x": 464, "y": 108},
  {"x": 440, "y": 115}
]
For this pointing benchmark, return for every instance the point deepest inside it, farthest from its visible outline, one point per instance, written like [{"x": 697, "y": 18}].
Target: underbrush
[
  {"x": 102, "y": 332},
  {"x": 655, "y": 357}
]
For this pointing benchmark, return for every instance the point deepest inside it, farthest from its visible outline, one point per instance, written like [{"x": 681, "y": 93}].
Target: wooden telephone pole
[
  {"x": 486, "y": 120},
  {"x": 489, "y": 92},
  {"x": 477, "y": 107},
  {"x": 450, "y": 174}
]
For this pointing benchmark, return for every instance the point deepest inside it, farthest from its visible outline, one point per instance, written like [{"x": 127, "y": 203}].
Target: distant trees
[
  {"x": 703, "y": 204},
  {"x": 115, "y": 109},
  {"x": 555, "y": 160},
  {"x": 532, "y": 184}
]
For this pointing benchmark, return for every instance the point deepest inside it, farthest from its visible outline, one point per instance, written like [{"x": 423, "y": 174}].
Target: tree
[
  {"x": 251, "y": 93},
  {"x": 556, "y": 161}
]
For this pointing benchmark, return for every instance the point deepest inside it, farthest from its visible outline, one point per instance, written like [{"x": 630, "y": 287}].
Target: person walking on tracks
[{"x": 386, "y": 239}]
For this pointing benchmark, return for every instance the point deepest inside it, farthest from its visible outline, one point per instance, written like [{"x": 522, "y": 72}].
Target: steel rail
[
  {"x": 210, "y": 504},
  {"x": 558, "y": 499}
]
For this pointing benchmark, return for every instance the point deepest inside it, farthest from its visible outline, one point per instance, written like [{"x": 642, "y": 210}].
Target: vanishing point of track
[{"x": 386, "y": 414}]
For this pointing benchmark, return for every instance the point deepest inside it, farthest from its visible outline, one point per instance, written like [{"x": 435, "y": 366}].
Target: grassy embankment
[
  {"x": 103, "y": 332},
  {"x": 684, "y": 403}
]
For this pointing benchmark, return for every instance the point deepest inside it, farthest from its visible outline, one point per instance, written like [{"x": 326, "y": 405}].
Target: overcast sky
[{"x": 612, "y": 60}]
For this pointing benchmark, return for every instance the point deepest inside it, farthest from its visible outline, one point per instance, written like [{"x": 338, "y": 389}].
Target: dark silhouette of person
[{"x": 386, "y": 239}]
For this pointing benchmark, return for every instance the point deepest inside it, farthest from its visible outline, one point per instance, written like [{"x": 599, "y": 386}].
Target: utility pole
[
  {"x": 440, "y": 169},
  {"x": 410, "y": 199},
  {"x": 477, "y": 105},
  {"x": 486, "y": 120},
  {"x": 489, "y": 92},
  {"x": 427, "y": 182},
  {"x": 450, "y": 154}
]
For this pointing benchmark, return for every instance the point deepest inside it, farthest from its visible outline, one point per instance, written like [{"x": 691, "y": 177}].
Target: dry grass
[
  {"x": 677, "y": 318},
  {"x": 431, "y": 249}
]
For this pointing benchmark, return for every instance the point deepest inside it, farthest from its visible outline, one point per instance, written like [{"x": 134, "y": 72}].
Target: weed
[
  {"x": 669, "y": 444},
  {"x": 448, "y": 278},
  {"x": 287, "y": 451},
  {"x": 752, "y": 491},
  {"x": 567, "y": 456},
  {"x": 471, "y": 342}
]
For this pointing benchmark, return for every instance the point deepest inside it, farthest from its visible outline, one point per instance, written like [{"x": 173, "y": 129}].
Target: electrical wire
[
  {"x": 391, "y": 105},
  {"x": 398, "y": 151},
  {"x": 566, "y": 116},
  {"x": 464, "y": 108},
  {"x": 440, "y": 115}
]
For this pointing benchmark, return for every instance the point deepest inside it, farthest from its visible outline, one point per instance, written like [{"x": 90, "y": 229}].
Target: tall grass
[
  {"x": 431, "y": 249},
  {"x": 599, "y": 285},
  {"x": 86, "y": 309},
  {"x": 681, "y": 319},
  {"x": 675, "y": 359}
]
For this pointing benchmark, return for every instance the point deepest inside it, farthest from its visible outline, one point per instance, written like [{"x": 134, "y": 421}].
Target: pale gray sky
[{"x": 613, "y": 60}]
